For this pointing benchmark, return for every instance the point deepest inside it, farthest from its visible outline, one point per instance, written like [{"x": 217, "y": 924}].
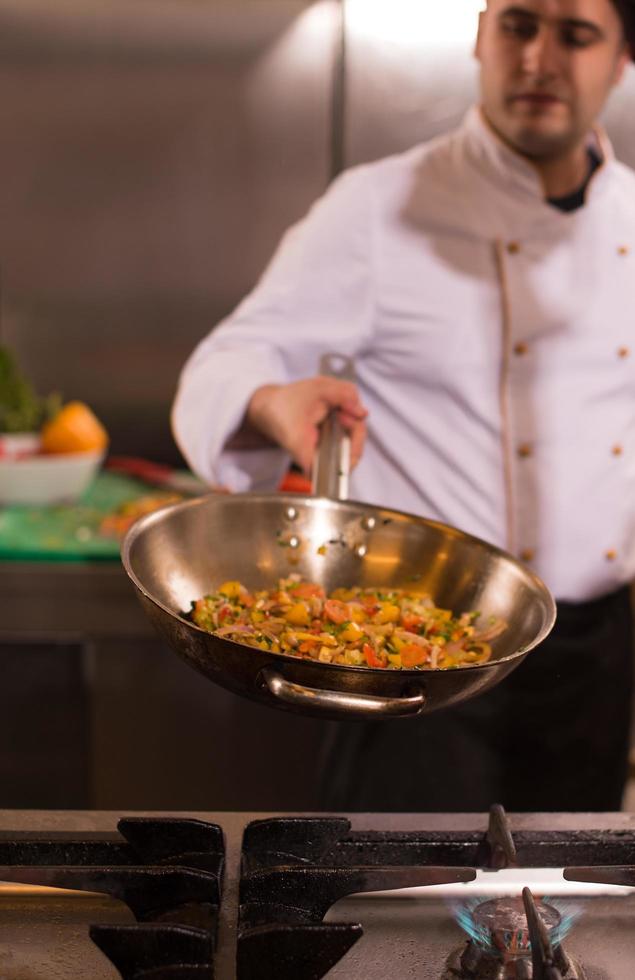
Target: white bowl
[
  {"x": 15, "y": 445},
  {"x": 58, "y": 478}
]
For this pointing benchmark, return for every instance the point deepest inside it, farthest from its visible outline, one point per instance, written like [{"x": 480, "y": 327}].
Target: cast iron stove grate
[
  {"x": 294, "y": 869},
  {"x": 168, "y": 871}
]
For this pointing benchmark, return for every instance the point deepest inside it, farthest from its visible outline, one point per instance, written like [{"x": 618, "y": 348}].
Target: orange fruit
[{"x": 74, "y": 429}]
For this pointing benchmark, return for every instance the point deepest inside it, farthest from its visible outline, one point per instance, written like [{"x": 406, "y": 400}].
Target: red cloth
[{"x": 294, "y": 482}]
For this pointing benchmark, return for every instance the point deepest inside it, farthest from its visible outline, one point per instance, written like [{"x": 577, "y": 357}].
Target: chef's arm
[
  {"x": 248, "y": 397},
  {"x": 290, "y": 415}
]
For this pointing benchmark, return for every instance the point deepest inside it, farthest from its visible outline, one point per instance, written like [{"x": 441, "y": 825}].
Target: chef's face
[{"x": 547, "y": 67}]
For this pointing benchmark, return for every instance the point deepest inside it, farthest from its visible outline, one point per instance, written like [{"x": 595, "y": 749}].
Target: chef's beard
[
  {"x": 536, "y": 144},
  {"x": 543, "y": 146}
]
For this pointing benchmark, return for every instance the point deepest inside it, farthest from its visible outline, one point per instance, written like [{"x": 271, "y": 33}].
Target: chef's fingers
[
  {"x": 291, "y": 415},
  {"x": 355, "y": 409},
  {"x": 325, "y": 395},
  {"x": 337, "y": 393}
]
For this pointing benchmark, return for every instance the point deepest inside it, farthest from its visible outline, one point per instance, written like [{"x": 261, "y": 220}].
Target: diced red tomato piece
[
  {"x": 223, "y": 613},
  {"x": 411, "y": 622},
  {"x": 307, "y": 646},
  {"x": 374, "y": 659},
  {"x": 307, "y": 590},
  {"x": 412, "y": 654},
  {"x": 336, "y": 611}
]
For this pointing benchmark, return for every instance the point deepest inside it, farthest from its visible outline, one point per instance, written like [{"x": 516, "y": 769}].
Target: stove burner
[
  {"x": 513, "y": 938},
  {"x": 501, "y": 924},
  {"x": 469, "y": 962}
]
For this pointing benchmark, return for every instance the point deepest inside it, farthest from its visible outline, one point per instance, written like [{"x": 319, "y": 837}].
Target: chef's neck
[{"x": 564, "y": 174}]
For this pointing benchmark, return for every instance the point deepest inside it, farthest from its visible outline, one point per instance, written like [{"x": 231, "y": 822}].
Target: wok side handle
[{"x": 360, "y": 705}]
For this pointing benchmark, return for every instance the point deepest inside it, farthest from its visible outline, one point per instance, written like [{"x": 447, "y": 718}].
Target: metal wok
[{"x": 182, "y": 552}]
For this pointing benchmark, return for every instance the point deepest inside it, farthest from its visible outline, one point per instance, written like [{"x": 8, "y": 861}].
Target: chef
[{"x": 484, "y": 284}]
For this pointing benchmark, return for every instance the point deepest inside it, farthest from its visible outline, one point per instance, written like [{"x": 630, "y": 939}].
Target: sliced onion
[
  {"x": 409, "y": 637},
  {"x": 237, "y": 628},
  {"x": 455, "y": 648}
]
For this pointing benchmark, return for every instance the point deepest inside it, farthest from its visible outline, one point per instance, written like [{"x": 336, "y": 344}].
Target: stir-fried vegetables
[{"x": 391, "y": 629}]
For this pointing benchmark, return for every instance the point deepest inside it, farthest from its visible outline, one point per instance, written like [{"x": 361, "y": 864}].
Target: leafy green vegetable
[{"x": 21, "y": 409}]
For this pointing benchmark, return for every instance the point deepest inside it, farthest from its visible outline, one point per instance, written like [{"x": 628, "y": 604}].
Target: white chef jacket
[{"x": 494, "y": 341}]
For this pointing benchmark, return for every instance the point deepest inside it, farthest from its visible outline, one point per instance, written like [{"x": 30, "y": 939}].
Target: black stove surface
[{"x": 229, "y": 895}]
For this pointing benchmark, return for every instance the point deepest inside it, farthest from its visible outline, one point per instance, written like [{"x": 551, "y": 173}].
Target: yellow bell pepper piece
[
  {"x": 442, "y": 615},
  {"x": 394, "y": 659},
  {"x": 343, "y": 595},
  {"x": 298, "y": 614},
  {"x": 231, "y": 589},
  {"x": 351, "y": 633},
  {"x": 358, "y": 613},
  {"x": 388, "y": 613},
  {"x": 324, "y": 639}
]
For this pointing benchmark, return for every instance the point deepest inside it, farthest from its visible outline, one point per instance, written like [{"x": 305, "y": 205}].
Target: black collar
[{"x": 570, "y": 202}]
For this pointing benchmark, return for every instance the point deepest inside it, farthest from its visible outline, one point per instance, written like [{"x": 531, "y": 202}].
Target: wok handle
[
  {"x": 347, "y": 704},
  {"x": 333, "y": 457}
]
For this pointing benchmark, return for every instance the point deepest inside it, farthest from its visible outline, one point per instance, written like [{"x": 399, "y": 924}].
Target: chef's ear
[{"x": 625, "y": 58}]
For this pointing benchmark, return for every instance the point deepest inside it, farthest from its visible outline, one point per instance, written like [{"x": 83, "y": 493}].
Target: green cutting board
[{"x": 68, "y": 532}]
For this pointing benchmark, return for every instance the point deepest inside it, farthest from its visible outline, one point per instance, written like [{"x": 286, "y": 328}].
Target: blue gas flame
[{"x": 464, "y": 914}]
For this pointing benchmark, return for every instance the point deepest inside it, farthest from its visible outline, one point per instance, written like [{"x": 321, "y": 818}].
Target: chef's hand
[{"x": 290, "y": 415}]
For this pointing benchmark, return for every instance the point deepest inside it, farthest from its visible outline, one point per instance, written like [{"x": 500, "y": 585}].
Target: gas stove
[{"x": 253, "y": 897}]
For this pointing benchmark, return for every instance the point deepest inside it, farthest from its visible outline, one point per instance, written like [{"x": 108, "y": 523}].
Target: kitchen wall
[{"x": 152, "y": 155}]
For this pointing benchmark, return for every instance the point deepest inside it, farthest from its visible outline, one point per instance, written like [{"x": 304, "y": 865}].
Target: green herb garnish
[{"x": 21, "y": 409}]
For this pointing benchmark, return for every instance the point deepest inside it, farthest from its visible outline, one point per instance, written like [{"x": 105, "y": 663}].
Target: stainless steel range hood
[{"x": 167, "y": 29}]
